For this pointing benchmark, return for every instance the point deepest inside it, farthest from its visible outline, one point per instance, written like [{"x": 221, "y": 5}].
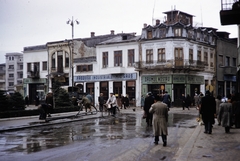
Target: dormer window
[
  {"x": 149, "y": 34},
  {"x": 177, "y": 32},
  {"x": 124, "y": 37}
]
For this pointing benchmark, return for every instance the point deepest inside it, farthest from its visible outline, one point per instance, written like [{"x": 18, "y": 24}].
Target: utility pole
[{"x": 71, "y": 22}]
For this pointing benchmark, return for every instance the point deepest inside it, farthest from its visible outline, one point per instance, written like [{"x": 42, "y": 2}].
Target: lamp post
[{"x": 71, "y": 22}]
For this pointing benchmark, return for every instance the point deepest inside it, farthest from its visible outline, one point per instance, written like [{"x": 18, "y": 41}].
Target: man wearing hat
[{"x": 208, "y": 110}]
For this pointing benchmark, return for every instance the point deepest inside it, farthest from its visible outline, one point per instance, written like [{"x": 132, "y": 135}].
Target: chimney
[
  {"x": 157, "y": 22},
  {"x": 144, "y": 25},
  {"x": 112, "y": 32},
  {"x": 92, "y": 34}
]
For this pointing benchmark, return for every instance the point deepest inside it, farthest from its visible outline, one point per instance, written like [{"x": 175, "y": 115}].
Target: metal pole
[{"x": 72, "y": 23}]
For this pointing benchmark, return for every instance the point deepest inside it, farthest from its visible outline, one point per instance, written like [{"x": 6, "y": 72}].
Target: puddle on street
[{"x": 101, "y": 130}]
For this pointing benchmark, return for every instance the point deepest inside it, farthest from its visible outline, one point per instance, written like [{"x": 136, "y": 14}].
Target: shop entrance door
[{"x": 179, "y": 89}]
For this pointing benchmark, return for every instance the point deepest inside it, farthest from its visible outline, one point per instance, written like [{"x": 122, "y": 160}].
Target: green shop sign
[{"x": 157, "y": 79}]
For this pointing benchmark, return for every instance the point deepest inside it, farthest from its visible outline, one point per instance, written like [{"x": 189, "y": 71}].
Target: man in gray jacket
[{"x": 160, "y": 119}]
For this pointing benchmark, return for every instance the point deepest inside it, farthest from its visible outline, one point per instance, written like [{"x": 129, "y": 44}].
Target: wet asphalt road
[{"x": 124, "y": 137}]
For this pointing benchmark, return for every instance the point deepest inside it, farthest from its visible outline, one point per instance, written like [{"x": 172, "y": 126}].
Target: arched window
[
  {"x": 66, "y": 59},
  {"x": 53, "y": 61}
]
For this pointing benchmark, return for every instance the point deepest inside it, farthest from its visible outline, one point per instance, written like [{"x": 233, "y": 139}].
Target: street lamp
[{"x": 71, "y": 22}]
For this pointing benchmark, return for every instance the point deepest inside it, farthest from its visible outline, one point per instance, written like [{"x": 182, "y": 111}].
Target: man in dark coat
[
  {"x": 149, "y": 100},
  {"x": 167, "y": 99},
  {"x": 208, "y": 110}
]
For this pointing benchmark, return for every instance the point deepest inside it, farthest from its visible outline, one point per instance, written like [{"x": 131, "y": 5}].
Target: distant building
[
  {"x": 14, "y": 72},
  {"x": 2, "y": 76}
]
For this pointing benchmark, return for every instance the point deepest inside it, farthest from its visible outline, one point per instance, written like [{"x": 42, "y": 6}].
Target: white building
[
  {"x": 35, "y": 73},
  {"x": 14, "y": 72}
]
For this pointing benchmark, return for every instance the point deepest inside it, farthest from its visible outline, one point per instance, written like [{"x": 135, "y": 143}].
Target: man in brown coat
[{"x": 160, "y": 119}]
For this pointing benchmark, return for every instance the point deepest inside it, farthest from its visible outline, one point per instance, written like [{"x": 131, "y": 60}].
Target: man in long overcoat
[
  {"x": 160, "y": 119},
  {"x": 208, "y": 110}
]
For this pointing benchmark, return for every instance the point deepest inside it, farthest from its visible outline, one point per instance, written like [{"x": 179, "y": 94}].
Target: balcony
[
  {"x": 230, "y": 12},
  {"x": 230, "y": 70},
  {"x": 186, "y": 64},
  {"x": 33, "y": 75}
]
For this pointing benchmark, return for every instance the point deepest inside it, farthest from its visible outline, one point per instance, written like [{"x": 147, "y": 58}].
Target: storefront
[
  {"x": 119, "y": 84},
  {"x": 33, "y": 87},
  {"x": 176, "y": 85}
]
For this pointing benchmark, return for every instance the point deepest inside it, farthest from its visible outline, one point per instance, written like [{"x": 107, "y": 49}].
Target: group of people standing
[{"x": 226, "y": 111}]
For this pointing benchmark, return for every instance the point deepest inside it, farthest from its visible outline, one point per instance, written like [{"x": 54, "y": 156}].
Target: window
[
  {"x": 11, "y": 83},
  {"x": 118, "y": 58},
  {"x": 66, "y": 60},
  {"x": 234, "y": 62},
  {"x": 149, "y": 34},
  {"x": 10, "y": 58},
  {"x": 20, "y": 75},
  {"x": 84, "y": 68},
  {"x": 205, "y": 38},
  {"x": 178, "y": 32},
  {"x": 198, "y": 35},
  {"x": 21, "y": 67},
  {"x": 199, "y": 56},
  {"x": 11, "y": 75},
  {"x": 44, "y": 65},
  {"x": 206, "y": 58},
  {"x": 227, "y": 61},
  {"x": 149, "y": 55},
  {"x": 11, "y": 67},
  {"x": 28, "y": 67},
  {"x": 131, "y": 57},
  {"x": 191, "y": 55},
  {"x": 220, "y": 60},
  {"x": 105, "y": 59},
  {"x": 161, "y": 55},
  {"x": 53, "y": 61},
  {"x": 162, "y": 33},
  {"x": 190, "y": 34}
]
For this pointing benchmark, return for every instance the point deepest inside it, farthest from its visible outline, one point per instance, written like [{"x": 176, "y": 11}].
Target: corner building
[{"x": 177, "y": 57}]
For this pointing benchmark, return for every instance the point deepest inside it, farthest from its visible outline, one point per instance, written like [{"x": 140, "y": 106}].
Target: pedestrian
[
  {"x": 167, "y": 99},
  {"x": 87, "y": 102},
  {"x": 27, "y": 100},
  {"x": 101, "y": 102},
  {"x": 225, "y": 114},
  {"x": 183, "y": 99},
  {"x": 208, "y": 111},
  {"x": 196, "y": 97},
  {"x": 49, "y": 101},
  {"x": 149, "y": 100},
  {"x": 112, "y": 101},
  {"x": 218, "y": 102},
  {"x": 43, "y": 110},
  {"x": 126, "y": 101},
  {"x": 142, "y": 101},
  {"x": 188, "y": 101},
  {"x": 160, "y": 119},
  {"x": 36, "y": 99},
  {"x": 90, "y": 98},
  {"x": 236, "y": 111}
]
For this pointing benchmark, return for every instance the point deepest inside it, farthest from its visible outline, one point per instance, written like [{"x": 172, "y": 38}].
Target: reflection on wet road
[{"x": 100, "y": 131}]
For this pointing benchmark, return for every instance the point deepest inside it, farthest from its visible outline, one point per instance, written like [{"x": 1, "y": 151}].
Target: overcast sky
[{"x": 35, "y": 22}]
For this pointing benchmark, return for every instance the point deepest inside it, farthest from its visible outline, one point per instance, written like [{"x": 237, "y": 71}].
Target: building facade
[
  {"x": 2, "y": 76},
  {"x": 226, "y": 64},
  {"x": 14, "y": 72},
  {"x": 35, "y": 67},
  {"x": 177, "y": 57}
]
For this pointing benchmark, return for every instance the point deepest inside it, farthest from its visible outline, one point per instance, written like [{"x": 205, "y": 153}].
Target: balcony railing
[
  {"x": 230, "y": 70},
  {"x": 34, "y": 75},
  {"x": 171, "y": 64}
]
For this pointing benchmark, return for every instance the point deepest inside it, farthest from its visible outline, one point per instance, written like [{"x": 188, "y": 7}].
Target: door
[
  {"x": 179, "y": 89},
  {"x": 178, "y": 52},
  {"x": 117, "y": 90}
]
